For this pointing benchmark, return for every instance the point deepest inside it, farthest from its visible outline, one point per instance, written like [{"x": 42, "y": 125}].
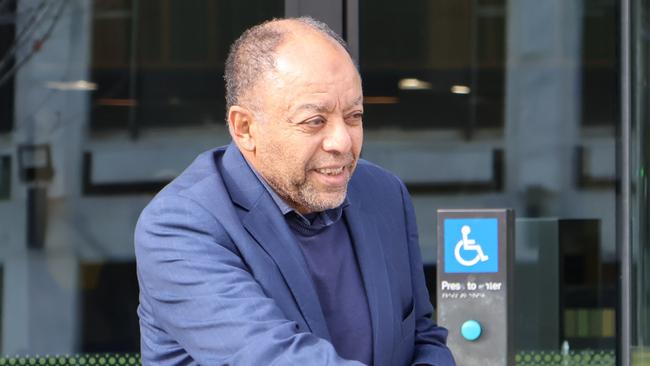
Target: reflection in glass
[
  {"x": 107, "y": 101},
  {"x": 158, "y": 63},
  {"x": 490, "y": 103},
  {"x": 440, "y": 65}
]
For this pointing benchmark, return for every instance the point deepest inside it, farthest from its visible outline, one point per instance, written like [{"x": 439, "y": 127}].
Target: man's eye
[
  {"x": 314, "y": 122},
  {"x": 355, "y": 117}
]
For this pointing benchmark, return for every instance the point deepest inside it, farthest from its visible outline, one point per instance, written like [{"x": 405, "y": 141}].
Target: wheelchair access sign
[
  {"x": 471, "y": 245},
  {"x": 474, "y": 278}
]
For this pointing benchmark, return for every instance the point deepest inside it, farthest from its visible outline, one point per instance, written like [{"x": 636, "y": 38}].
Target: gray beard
[{"x": 305, "y": 197}]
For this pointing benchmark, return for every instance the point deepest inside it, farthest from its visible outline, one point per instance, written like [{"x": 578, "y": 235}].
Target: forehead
[{"x": 314, "y": 69}]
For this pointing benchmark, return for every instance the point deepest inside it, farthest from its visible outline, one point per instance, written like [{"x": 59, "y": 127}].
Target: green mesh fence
[
  {"x": 640, "y": 356},
  {"x": 555, "y": 358},
  {"x": 82, "y": 359},
  {"x": 527, "y": 358}
]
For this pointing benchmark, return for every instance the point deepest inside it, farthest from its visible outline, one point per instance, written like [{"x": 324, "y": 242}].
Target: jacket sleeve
[
  {"x": 430, "y": 339},
  {"x": 199, "y": 304}
]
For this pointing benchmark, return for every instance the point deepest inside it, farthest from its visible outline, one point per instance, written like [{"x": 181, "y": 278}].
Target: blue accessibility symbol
[{"x": 471, "y": 245}]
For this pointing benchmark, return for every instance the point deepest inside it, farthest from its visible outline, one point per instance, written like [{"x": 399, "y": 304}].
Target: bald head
[{"x": 254, "y": 53}]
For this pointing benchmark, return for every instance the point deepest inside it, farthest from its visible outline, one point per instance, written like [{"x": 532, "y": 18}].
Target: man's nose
[{"x": 338, "y": 137}]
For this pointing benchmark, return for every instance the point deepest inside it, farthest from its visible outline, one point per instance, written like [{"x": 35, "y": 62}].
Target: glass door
[
  {"x": 496, "y": 103},
  {"x": 639, "y": 195}
]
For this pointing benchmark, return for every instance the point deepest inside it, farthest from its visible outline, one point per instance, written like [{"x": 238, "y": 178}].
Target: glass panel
[
  {"x": 478, "y": 103},
  {"x": 108, "y": 101},
  {"x": 147, "y": 72},
  {"x": 640, "y": 202},
  {"x": 417, "y": 85}
]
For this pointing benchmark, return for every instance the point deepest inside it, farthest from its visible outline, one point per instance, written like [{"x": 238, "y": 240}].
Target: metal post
[
  {"x": 134, "y": 130},
  {"x": 625, "y": 205},
  {"x": 352, "y": 28}
]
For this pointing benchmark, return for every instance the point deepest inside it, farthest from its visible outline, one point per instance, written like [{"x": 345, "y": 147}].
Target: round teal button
[{"x": 471, "y": 330}]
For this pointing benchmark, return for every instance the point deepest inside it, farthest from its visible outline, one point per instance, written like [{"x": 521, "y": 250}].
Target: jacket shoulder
[
  {"x": 191, "y": 194},
  {"x": 371, "y": 174},
  {"x": 373, "y": 184},
  {"x": 201, "y": 171}
]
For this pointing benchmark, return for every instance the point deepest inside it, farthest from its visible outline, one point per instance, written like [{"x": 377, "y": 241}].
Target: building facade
[{"x": 539, "y": 106}]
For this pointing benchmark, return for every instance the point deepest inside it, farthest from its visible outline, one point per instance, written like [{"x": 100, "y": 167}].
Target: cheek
[
  {"x": 357, "y": 140},
  {"x": 292, "y": 161}
]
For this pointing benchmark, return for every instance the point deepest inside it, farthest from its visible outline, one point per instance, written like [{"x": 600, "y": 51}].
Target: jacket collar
[
  {"x": 243, "y": 186},
  {"x": 264, "y": 221},
  {"x": 367, "y": 244}
]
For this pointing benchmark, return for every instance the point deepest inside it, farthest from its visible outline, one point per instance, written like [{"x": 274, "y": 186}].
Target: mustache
[{"x": 333, "y": 160}]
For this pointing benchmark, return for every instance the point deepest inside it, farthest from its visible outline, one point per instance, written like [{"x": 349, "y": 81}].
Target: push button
[{"x": 471, "y": 330}]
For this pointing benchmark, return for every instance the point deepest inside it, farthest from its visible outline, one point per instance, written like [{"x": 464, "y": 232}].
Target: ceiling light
[
  {"x": 460, "y": 89},
  {"x": 72, "y": 85},
  {"x": 413, "y": 84}
]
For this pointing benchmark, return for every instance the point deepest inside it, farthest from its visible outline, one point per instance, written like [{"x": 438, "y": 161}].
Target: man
[{"x": 284, "y": 248}]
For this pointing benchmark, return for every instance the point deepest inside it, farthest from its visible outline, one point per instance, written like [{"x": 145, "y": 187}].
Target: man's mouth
[{"x": 331, "y": 171}]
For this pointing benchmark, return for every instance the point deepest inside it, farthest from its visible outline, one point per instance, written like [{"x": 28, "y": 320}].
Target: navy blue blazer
[{"x": 223, "y": 281}]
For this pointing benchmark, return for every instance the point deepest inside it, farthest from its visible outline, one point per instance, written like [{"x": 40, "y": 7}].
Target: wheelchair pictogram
[
  {"x": 468, "y": 245},
  {"x": 477, "y": 251}
]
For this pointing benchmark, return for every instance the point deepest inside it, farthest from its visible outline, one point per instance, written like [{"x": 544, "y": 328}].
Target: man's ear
[{"x": 240, "y": 124}]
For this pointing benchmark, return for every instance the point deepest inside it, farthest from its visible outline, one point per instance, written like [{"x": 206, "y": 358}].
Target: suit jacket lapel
[
  {"x": 267, "y": 225},
  {"x": 367, "y": 244}
]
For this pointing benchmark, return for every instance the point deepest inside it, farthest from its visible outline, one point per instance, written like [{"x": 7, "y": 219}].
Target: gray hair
[{"x": 253, "y": 54}]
